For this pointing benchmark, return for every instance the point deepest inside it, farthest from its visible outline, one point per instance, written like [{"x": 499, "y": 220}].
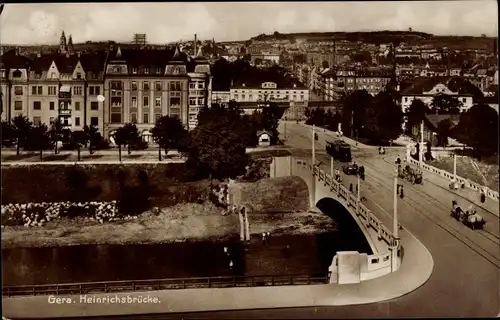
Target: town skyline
[{"x": 97, "y": 21}]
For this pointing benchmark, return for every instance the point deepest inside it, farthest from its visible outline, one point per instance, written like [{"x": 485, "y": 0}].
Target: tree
[
  {"x": 445, "y": 104},
  {"x": 93, "y": 136},
  {"x": 80, "y": 138},
  {"x": 56, "y": 133},
  {"x": 121, "y": 136},
  {"x": 354, "y": 110},
  {"x": 384, "y": 119},
  {"x": 21, "y": 126},
  {"x": 444, "y": 129},
  {"x": 132, "y": 135},
  {"x": 478, "y": 128},
  {"x": 416, "y": 113},
  {"x": 270, "y": 119},
  {"x": 39, "y": 137},
  {"x": 169, "y": 133},
  {"x": 217, "y": 149},
  {"x": 8, "y": 134}
]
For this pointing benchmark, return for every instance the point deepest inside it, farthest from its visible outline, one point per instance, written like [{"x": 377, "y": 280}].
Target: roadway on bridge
[{"x": 465, "y": 280}]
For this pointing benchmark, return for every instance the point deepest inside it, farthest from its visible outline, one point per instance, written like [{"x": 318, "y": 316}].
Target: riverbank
[{"x": 179, "y": 223}]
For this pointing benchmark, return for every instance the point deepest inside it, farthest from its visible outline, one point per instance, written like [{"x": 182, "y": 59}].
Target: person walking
[
  {"x": 263, "y": 238},
  {"x": 268, "y": 237}
]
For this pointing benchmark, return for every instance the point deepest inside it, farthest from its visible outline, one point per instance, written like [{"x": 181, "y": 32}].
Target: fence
[
  {"x": 164, "y": 284},
  {"x": 468, "y": 184}
]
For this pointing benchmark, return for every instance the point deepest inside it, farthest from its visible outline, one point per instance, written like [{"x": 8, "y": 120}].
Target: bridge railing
[
  {"x": 352, "y": 201},
  {"x": 469, "y": 184},
  {"x": 164, "y": 284}
]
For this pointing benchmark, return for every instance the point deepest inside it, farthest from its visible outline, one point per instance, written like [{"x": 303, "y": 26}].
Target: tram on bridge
[{"x": 339, "y": 150}]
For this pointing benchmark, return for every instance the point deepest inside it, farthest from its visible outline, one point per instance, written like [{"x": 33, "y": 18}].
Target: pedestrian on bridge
[{"x": 263, "y": 237}]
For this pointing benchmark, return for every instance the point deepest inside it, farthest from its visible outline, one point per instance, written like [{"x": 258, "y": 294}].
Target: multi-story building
[
  {"x": 426, "y": 89},
  {"x": 200, "y": 88},
  {"x": 221, "y": 97},
  {"x": 269, "y": 91},
  {"x": 106, "y": 89},
  {"x": 37, "y": 95}
]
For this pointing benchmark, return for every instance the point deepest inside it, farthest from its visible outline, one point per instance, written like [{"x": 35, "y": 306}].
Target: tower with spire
[
  {"x": 62, "y": 43},
  {"x": 69, "y": 46}
]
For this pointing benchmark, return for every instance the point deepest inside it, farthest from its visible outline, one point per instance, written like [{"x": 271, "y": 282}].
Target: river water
[{"x": 306, "y": 254}]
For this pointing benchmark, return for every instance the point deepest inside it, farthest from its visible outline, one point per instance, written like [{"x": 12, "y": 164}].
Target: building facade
[
  {"x": 269, "y": 91},
  {"x": 426, "y": 89},
  {"x": 105, "y": 89}
]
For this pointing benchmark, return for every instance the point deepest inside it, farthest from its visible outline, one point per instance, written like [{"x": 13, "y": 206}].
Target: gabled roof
[
  {"x": 422, "y": 84},
  {"x": 435, "y": 119},
  {"x": 93, "y": 62},
  {"x": 15, "y": 61}
]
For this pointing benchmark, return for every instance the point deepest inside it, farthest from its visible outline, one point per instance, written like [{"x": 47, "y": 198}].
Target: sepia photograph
[{"x": 249, "y": 160}]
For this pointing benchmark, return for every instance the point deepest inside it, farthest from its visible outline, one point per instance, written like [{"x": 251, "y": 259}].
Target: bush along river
[{"x": 283, "y": 253}]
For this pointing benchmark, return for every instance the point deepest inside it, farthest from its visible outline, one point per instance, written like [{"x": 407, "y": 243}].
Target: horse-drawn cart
[
  {"x": 469, "y": 217},
  {"x": 410, "y": 174}
]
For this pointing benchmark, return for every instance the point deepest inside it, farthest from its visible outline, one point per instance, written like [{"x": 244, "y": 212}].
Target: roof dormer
[
  {"x": 176, "y": 65},
  {"x": 118, "y": 65},
  {"x": 53, "y": 72},
  {"x": 78, "y": 73}
]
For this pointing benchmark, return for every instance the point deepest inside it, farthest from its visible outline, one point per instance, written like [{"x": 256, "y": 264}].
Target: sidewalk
[
  {"x": 415, "y": 270},
  {"x": 466, "y": 193}
]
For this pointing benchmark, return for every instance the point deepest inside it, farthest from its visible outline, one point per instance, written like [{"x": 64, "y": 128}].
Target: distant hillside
[
  {"x": 378, "y": 37},
  {"x": 375, "y": 37}
]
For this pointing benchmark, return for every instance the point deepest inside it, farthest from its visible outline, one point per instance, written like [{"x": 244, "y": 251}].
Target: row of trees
[
  {"x": 216, "y": 148},
  {"x": 38, "y": 137},
  {"x": 377, "y": 119}
]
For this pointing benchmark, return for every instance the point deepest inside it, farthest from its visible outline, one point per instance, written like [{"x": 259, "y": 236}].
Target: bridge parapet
[{"x": 369, "y": 266}]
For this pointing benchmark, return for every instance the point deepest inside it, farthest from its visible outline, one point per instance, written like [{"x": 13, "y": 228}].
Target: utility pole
[
  {"x": 352, "y": 123},
  {"x": 421, "y": 148},
  {"x": 395, "y": 216},
  {"x": 313, "y": 147},
  {"x": 331, "y": 166},
  {"x": 455, "y": 170}
]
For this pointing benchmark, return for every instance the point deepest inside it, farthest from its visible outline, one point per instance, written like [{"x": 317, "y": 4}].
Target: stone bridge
[{"x": 349, "y": 266}]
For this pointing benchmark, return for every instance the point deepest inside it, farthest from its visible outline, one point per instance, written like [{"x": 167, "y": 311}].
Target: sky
[{"x": 226, "y": 21}]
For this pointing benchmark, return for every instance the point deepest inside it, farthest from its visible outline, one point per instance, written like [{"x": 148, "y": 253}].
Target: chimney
[
  {"x": 195, "y": 44},
  {"x": 17, "y": 51}
]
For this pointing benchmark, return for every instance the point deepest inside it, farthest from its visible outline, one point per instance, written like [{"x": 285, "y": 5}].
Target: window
[
  {"x": 302, "y": 97},
  {"x": 157, "y": 117},
  {"x": 78, "y": 75},
  {"x": 134, "y": 85},
  {"x": 175, "y": 86},
  {"x": 51, "y": 105},
  {"x": 94, "y": 121},
  {"x": 192, "y": 101},
  {"x": 158, "y": 70},
  {"x": 243, "y": 97},
  {"x": 175, "y": 101},
  {"x": 406, "y": 99},
  {"x": 52, "y": 90},
  {"x": 236, "y": 97},
  {"x": 158, "y": 102},
  {"x": 94, "y": 105},
  {"x": 250, "y": 97},
  {"x": 94, "y": 90},
  {"x": 134, "y": 70},
  {"x": 17, "y": 74},
  {"x": 37, "y": 105},
  {"x": 158, "y": 86},
  {"x": 36, "y": 90},
  {"x": 134, "y": 102},
  {"x": 133, "y": 117},
  {"x": 37, "y": 120},
  {"x": 18, "y": 105},
  {"x": 192, "y": 85},
  {"x": 146, "y": 70},
  {"x": 145, "y": 86},
  {"x": 145, "y": 118},
  {"x": 77, "y": 121},
  {"x": 18, "y": 90},
  {"x": 201, "y": 85},
  {"x": 77, "y": 106},
  {"x": 201, "y": 101},
  {"x": 116, "y": 118},
  {"x": 51, "y": 120},
  {"x": 145, "y": 101},
  {"x": 464, "y": 100}
]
